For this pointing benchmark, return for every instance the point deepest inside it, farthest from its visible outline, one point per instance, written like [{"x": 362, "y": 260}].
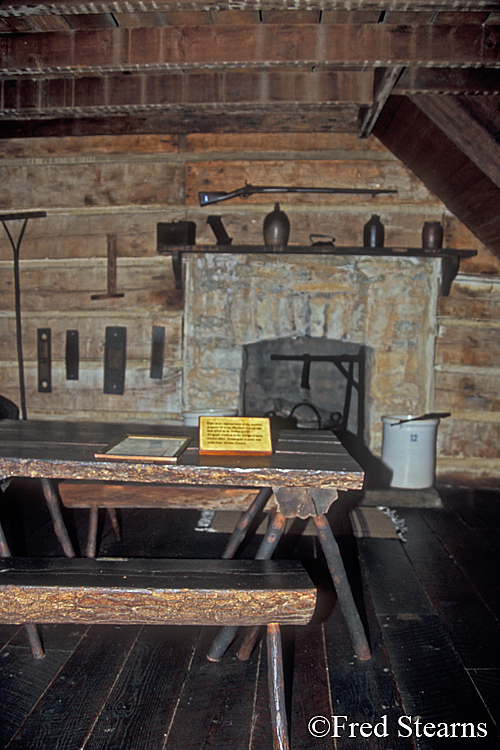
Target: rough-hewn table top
[{"x": 65, "y": 450}]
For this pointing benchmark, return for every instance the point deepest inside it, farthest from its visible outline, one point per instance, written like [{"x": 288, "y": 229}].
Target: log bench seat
[
  {"x": 111, "y": 495},
  {"x": 172, "y": 592}
]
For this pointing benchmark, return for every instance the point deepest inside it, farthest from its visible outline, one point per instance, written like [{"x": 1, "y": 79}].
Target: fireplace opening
[{"x": 318, "y": 382}]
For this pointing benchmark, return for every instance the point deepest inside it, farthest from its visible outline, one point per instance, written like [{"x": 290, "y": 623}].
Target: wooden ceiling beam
[
  {"x": 25, "y": 7},
  {"x": 307, "y": 45},
  {"x": 448, "y": 81},
  {"x": 85, "y": 96},
  {"x": 185, "y": 120}
]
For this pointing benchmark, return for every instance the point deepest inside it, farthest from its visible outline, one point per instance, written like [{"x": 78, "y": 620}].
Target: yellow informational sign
[{"x": 235, "y": 435}]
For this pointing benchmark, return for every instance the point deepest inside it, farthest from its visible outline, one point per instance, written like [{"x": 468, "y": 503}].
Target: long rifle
[{"x": 207, "y": 198}]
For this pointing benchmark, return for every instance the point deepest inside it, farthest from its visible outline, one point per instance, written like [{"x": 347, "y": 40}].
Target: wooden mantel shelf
[{"x": 450, "y": 258}]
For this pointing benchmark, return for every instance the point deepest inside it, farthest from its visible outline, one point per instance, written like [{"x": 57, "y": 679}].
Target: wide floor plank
[
  {"x": 479, "y": 564},
  {"x": 23, "y": 681},
  {"x": 147, "y": 689},
  {"x": 216, "y": 701},
  {"x": 66, "y": 711},
  {"x": 427, "y": 669},
  {"x": 434, "y": 686},
  {"x": 473, "y": 629}
]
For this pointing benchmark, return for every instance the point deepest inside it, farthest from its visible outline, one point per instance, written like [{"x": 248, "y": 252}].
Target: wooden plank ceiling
[{"x": 423, "y": 76}]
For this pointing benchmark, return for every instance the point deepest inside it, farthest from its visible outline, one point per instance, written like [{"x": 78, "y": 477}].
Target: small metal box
[{"x": 174, "y": 233}]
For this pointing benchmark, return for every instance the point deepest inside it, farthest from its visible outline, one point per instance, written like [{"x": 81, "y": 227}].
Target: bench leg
[
  {"x": 342, "y": 587},
  {"x": 226, "y": 635},
  {"x": 276, "y": 683},
  {"x": 31, "y": 631}
]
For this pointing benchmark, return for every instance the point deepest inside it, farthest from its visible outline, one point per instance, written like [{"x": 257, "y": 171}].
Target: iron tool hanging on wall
[
  {"x": 157, "y": 352},
  {"x": 44, "y": 360},
  {"x": 111, "y": 261},
  {"x": 72, "y": 355},
  {"x": 16, "y": 247},
  {"x": 115, "y": 346}
]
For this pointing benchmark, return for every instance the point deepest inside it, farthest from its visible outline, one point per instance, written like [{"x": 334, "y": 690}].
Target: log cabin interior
[{"x": 116, "y": 118}]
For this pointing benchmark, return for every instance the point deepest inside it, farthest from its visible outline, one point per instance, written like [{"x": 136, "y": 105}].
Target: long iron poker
[
  {"x": 430, "y": 415},
  {"x": 207, "y": 198}
]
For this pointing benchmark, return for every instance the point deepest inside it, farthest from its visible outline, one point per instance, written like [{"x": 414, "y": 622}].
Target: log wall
[
  {"x": 94, "y": 186},
  {"x": 467, "y": 377}
]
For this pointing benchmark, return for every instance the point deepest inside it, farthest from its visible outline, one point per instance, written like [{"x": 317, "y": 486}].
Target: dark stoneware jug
[
  {"x": 373, "y": 233},
  {"x": 276, "y": 227}
]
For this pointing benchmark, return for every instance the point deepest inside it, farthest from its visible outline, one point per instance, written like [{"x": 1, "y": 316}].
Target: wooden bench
[
  {"x": 112, "y": 495},
  {"x": 173, "y": 592}
]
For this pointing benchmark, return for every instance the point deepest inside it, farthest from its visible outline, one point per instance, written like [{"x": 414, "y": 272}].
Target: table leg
[
  {"x": 342, "y": 587},
  {"x": 92, "y": 535},
  {"x": 36, "y": 647},
  {"x": 243, "y": 524},
  {"x": 115, "y": 523},
  {"x": 4, "y": 547},
  {"x": 264, "y": 552},
  {"x": 91, "y": 550},
  {"x": 226, "y": 635},
  {"x": 57, "y": 519}
]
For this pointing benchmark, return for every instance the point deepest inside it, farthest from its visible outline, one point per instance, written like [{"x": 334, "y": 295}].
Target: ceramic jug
[
  {"x": 432, "y": 235},
  {"x": 276, "y": 227},
  {"x": 373, "y": 233}
]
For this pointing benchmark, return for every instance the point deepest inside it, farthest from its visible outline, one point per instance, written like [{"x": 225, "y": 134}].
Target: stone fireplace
[{"x": 384, "y": 307}]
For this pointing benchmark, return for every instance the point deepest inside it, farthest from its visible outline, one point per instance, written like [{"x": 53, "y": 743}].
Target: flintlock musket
[{"x": 207, "y": 198}]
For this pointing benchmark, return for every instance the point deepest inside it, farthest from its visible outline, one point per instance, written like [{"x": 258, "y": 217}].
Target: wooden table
[{"x": 305, "y": 471}]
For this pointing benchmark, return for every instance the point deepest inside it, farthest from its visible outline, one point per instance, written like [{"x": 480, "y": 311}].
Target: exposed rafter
[
  {"x": 460, "y": 182},
  {"x": 460, "y": 120},
  {"x": 385, "y": 81}
]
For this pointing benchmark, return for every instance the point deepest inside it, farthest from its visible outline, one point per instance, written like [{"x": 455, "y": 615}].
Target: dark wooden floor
[{"x": 431, "y": 606}]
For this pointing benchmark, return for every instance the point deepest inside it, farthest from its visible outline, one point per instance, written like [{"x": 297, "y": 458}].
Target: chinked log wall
[
  {"x": 467, "y": 376},
  {"x": 124, "y": 185}
]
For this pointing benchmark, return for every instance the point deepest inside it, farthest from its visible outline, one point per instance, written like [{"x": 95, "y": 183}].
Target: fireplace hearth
[{"x": 320, "y": 382}]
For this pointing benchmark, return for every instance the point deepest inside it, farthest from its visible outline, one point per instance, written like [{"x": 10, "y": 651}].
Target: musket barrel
[{"x": 207, "y": 198}]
